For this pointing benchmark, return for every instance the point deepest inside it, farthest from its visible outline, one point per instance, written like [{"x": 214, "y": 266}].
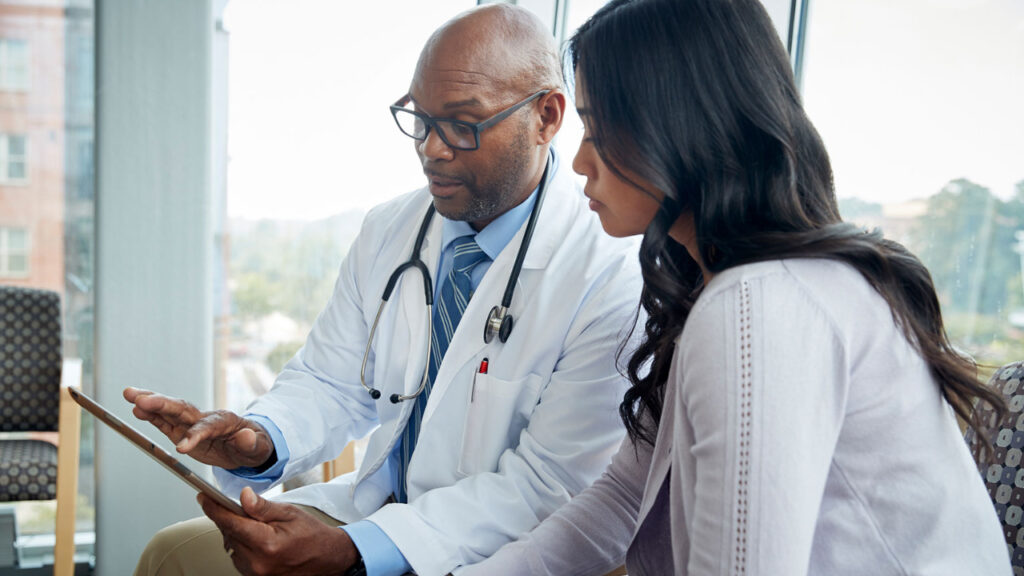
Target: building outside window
[
  {"x": 47, "y": 231},
  {"x": 14, "y": 64}
]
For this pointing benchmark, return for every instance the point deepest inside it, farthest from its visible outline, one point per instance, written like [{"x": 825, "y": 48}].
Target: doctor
[{"x": 472, "y": 442}]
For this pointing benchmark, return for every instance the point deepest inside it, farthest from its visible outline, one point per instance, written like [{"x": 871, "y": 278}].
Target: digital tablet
[{"x": 155, "y": 451}]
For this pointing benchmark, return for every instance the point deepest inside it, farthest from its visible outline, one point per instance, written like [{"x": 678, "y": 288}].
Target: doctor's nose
[{"x": 433, "y": 147}]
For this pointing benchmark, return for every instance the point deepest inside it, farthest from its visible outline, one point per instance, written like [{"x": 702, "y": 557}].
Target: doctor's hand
[
  {"x": 280, "y": 538},
  {"x": 219, "y": 438}
]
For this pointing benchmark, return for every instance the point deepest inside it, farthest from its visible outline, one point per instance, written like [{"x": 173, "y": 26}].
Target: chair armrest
[{"x": 67, "y": 467}]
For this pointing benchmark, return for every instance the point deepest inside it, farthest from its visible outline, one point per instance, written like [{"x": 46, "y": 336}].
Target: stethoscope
[{"x": 499, "y": 322}]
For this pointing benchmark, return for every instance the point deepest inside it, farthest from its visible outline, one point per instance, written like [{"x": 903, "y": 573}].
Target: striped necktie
[{"x": 454, "y": 298}]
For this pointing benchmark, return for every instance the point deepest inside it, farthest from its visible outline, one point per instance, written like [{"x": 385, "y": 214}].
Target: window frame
[
  {"x": 6, "y": 252},
  {"x": 7, "y": 160},
  {"x": 10, "y": 81}
]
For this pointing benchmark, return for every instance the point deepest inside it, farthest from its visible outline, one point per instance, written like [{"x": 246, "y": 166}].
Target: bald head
[
  {"x": 493, "y": 71},
  {"x": 503, "y": 45}
]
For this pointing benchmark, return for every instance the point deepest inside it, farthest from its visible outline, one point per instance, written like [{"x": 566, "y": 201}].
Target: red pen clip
[{"x": 483, "y": 367}]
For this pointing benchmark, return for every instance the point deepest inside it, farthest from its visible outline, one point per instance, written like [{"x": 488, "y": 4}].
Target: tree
[
  {"x": 288, "y": 267},
  {"x": 966, "y": 240}
]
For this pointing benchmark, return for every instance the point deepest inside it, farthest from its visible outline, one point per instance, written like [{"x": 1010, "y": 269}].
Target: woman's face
[{"x": 624, "y": 209}]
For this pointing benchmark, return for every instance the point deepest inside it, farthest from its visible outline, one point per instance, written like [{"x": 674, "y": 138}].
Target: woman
[{"x": 790, "y": 408}]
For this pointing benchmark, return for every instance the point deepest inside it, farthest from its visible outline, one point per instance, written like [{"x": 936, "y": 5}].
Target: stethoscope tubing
[
  {"x": 498, "y": 322},
  {"x": 428, "y": 293},
  {"x": 517, "y": 266}
]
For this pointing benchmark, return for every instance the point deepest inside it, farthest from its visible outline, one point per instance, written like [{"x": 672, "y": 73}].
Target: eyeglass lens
[{"x": 454, "y": 134}]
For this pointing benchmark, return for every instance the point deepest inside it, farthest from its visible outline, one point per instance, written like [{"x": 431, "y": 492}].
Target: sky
[
  {"x": 309, "y": 85},
  {"x": 910, "y": 94},
  {"x": 907, "y": 95}
]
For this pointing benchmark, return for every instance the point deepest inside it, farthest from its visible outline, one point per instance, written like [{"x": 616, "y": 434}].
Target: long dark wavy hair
[{"x": 697, "y": 98}]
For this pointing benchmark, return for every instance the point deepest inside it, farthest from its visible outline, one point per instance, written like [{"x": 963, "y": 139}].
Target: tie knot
[{"x": 467, "y": 254}]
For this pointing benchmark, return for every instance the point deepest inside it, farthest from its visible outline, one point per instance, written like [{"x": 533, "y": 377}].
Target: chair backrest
[
  {"x": 1004, "y": 477},
  {"x": 30, "y": 359}
]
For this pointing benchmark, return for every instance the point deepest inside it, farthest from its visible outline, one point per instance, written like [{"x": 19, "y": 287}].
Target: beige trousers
[{"x": 195, "y": 548}]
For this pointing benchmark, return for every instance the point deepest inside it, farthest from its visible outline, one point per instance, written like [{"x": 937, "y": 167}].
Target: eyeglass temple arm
[{"x": 506, "y": 113}]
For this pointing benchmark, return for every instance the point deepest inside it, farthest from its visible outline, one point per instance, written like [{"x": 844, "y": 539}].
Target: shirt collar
[{"x": 496, "y": 235}]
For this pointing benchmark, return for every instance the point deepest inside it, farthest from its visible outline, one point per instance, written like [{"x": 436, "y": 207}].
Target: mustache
[{"x": 430, "y": 173}]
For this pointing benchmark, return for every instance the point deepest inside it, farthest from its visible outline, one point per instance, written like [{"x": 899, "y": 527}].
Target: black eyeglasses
[{"x": 456, "y": 134}]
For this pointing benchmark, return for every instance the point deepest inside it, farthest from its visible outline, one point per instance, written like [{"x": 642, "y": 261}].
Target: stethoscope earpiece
[{"x": 374, "y": 393}]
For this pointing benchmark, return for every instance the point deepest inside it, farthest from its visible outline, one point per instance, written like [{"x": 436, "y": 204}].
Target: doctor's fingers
[
  {"x": 265, "y": 510},
  {"x": 237, "y": 531},
  {"x": 220, "y": 426},
  {"x": 171, "y": 409},
  {"x": 172, "y": 430},
  {"x": 130, "y": 393},
  {"x": 241, "y": 556}
]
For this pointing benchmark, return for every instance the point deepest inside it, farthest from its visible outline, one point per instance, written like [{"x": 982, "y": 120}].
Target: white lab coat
[{"x": 497, "y": 452}]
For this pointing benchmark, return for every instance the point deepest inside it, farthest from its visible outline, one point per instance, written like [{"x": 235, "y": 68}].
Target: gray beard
[{"x": 489, "y": 200}]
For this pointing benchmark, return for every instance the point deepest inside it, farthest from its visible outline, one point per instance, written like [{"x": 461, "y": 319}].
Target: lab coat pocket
[{"x": 498, "y": 412}]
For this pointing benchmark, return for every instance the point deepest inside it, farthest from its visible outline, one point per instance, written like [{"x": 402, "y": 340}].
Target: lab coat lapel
[
  {"x": 403, "y": 326},
  {"x": 553, "y": 224}
]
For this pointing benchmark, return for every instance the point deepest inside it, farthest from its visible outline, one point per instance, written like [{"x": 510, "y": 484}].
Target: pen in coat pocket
[{"x": 481, "y": 370}]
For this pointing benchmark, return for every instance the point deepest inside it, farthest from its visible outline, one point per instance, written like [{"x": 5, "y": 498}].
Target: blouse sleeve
[
  {"x": 589, "y": 535},
  {"x": 762, "y": 387}
]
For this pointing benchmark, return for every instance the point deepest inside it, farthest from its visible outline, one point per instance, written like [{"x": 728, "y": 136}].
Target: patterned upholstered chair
[
  {"x": 1005, "y": 478},
  {"x": 33, "y": 406}
]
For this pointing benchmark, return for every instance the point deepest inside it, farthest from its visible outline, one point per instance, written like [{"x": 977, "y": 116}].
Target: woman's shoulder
[
  {"x": 825, "y": 278},
  {"x": 834, "y": 288}
]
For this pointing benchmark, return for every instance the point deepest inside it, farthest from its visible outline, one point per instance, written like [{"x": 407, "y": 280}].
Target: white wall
[{"x": 153, "y": 262}]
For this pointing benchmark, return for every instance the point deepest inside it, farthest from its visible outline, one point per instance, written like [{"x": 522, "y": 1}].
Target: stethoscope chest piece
[{"x": 498, "y": 322}]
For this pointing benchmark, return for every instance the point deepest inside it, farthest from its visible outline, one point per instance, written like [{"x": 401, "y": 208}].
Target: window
[
  {"x": 47, "y": 231},
  {"x": 14, "y": 252},
  {"x": 290, "y": 217},
  {"x": 918, "y": 103},
  {"x": 14, "y": 65},
  {"x": 12, "y": 158},
  {"x": 567, "y": 142}
]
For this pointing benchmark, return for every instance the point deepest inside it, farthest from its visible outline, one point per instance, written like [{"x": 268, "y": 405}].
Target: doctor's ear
[{"x": 552, "y": 112}]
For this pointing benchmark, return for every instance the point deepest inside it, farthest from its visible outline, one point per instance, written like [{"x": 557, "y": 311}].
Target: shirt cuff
[
  {"x": 380, "y": 555},
  {"x": 272, "y": 474}
]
